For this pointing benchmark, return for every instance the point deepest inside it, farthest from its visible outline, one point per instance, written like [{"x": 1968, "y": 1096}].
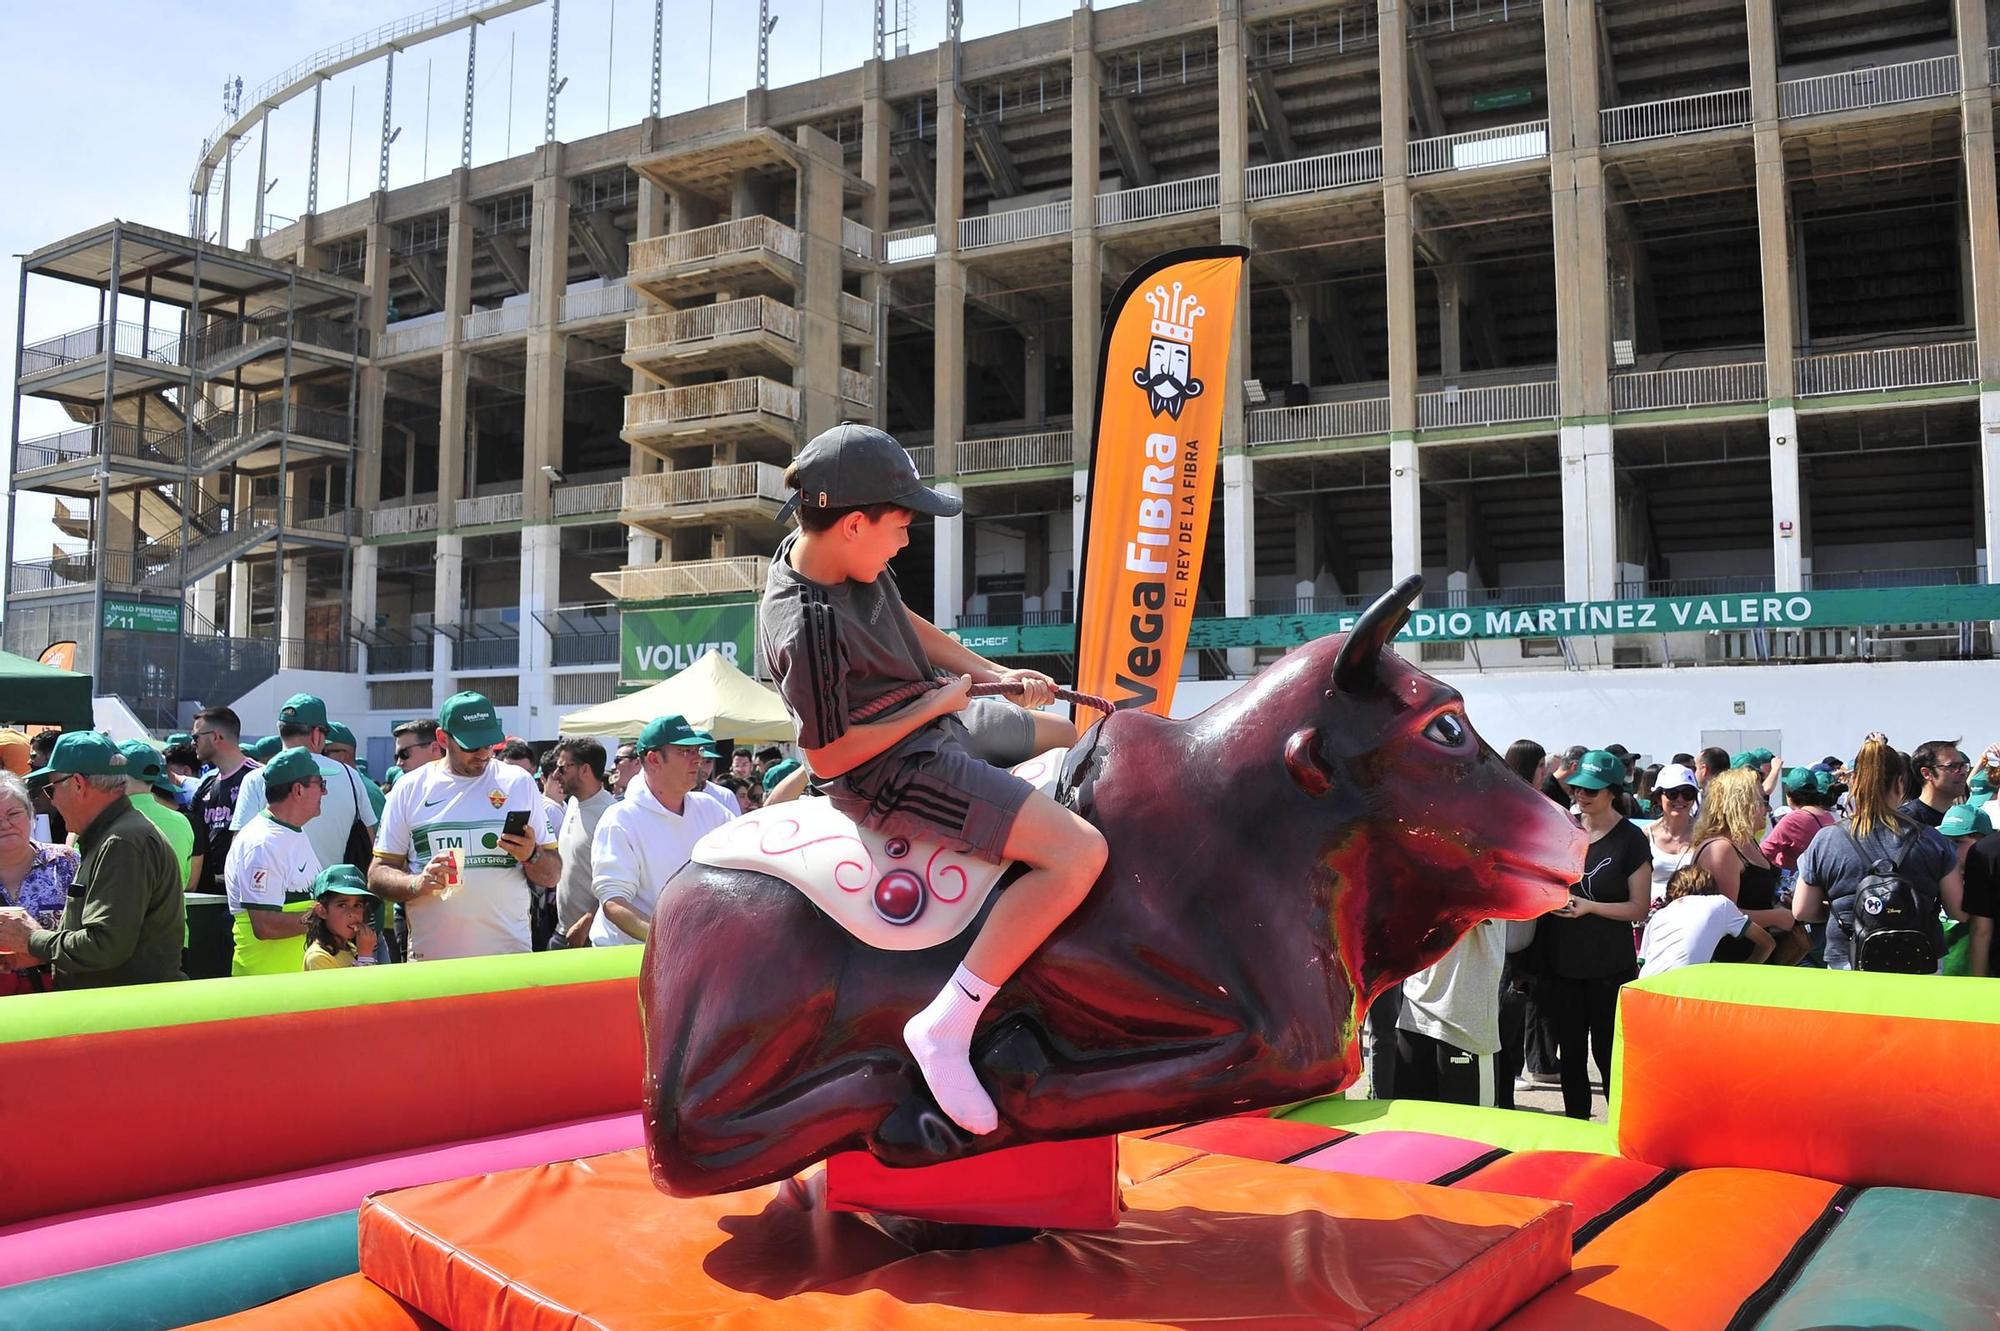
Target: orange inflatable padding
[
  {"x": 1255, "y": 1137},
  {"x": 1044, "y": 1185},
  {"x": 351, "y": 1303},
  {"x": 1687, "y": 1259},
  {"x": 1593, "y": 1184},
  {"x": 1854, "y": 1098},
  {"x": 171, "y": 1108},
  {"x": 1211, "y": 1239}
]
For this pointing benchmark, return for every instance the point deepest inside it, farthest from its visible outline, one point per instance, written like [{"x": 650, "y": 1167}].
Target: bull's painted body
[{"x": 1274, "y": 863}]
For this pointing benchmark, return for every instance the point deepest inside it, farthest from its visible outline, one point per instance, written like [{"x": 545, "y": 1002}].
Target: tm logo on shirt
[{"x": 480, "y": 843}]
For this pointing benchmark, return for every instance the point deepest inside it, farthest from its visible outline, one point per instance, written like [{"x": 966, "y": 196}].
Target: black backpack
[{"x": 1889, "y": 925}]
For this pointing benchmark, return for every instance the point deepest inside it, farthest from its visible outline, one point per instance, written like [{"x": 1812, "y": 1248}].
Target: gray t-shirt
[
  {"x": 1835, "y": 865},
  {"x": 1456, "y": 998},
  {"x": 574, "y": 899}
]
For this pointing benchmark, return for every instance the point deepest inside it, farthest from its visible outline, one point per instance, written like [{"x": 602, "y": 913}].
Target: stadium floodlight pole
[
  {"x": 388, "y": 106},
  {"x": 708, "y": 97},
  {"x": 555, "y": 35},
  {"x": 471, "y": 68},
  {"x": 764, "y": 25},
  {"x": 263, "y": 157},
  {"x": 881, "y": 24},
  {"x": 312, "y": 170},
  {"x": 659, "y": 26}
]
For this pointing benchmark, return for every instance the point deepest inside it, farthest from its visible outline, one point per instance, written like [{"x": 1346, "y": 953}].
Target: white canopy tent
[{"x": 712, "y": 694}]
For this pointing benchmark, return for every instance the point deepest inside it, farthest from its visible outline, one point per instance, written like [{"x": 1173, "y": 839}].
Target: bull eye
[{"x": 1447, "y": 729}]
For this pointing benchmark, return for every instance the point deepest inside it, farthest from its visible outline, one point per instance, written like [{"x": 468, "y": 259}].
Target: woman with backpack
[
  {"x": 1733, "y": 811},
  {"x": 1879, "y": 880}
]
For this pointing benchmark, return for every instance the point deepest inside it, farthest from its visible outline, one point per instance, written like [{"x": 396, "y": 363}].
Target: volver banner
[
  {"x": 1162, "y": 381},
  {"x": 656, "y": 644}
]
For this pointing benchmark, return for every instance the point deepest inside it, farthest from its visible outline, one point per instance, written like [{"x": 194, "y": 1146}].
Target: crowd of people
[
  {"x": 474, "y": 843},
  {"x": 1888, "y": 861}
]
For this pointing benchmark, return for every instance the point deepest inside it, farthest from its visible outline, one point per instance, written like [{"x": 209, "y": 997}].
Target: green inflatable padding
[
  {"x": 145, "y": 1006},
  {"x": 1508, "y": 1129},
  {"x": 1901, "y": 1257},
  {"x": 1927, "y": 997},
  {"x": 208, "y": 1280}
]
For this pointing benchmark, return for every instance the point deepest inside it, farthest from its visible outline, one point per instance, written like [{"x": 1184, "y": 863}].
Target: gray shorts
[{"x": 949, "y": 782}]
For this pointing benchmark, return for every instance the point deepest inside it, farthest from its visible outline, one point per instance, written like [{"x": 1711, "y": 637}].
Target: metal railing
[
  {"x": 705, "y": 485},
  {"x": 1727, "y": 109},
  {"x": 1051, "y": 448},
  {"x": 599, "y": 302},
  {"x": 1318, "y": 420},
  {"x": 909, "y": 243},
  {"x": 857, "y": 387},
  {"x": 1723, "y": 584},
  {"x": 1480, "y": 147},
  {"x": 483, "y": 509},
  {"x": 115, "y": 437},
  {"x": 1162, "y": 200},
  {"x": 727, "y": 318},
  {"x": 581, "y": 635},
  {"x": 1688, "y": 386},
  {"x": 856, "y": 312},
  {"x": 1878, "y": 85},
  {"x": 576, "y": 500},
  {"x": 1332, "y": 604},
  {"x": 731, "y": 397},
  {"x": 1356, "y": 166},
  {"x": 925, "y": 458},
  {"x": 857, "y": 239},
  {"x": 1499, "y": 404},
  {"x": 402, "y": 521},
  {"x": 1949, "y": 575},
  {"x": 323, "y": 519},
  {"x": 1044, "y": 219},
  {"x": 401, "y": 339},
  {"x": 1464, "y": 598},
  {"x": 1886, "y": 368},
  {"x": 400, "y": 658},
  {"x": 495, "y": 323},
  {"x": 497, "y": 653},
  {"x": 127, "y": 339},
  {"x": 743, "y": 235},
  {"x": 708, "y": 577}
]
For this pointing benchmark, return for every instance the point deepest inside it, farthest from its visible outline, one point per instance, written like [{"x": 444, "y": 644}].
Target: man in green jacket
[{"x": 123, "y": 921}]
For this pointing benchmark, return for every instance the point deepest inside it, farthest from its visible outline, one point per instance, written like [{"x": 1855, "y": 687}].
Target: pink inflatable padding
[
  {"x": 98, "y": 1237},
  {"x": 1408, "y": 1157}
]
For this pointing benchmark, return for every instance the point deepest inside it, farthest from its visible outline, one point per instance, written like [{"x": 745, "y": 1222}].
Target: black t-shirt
[
  {"x": 1982, "y": 889},
  {"x": 1592, "y": 947},
  {"x": 214, "y": 806},
  {"x": 1919, "y": 812}
]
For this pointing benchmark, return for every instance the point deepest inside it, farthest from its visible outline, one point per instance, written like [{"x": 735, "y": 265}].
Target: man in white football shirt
[
  {"x": 269, "y": 871},
  {"x": 462, "y": 803},
  {"x": 646, "y": 837}
]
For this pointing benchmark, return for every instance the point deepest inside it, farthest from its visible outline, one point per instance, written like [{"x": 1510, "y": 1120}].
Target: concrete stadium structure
[{"x": 1555, "y": 302}]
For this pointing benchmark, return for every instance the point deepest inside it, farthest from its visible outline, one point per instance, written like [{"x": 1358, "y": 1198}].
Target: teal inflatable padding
[
  {"x": 1903, "y": 1258},
  {"x": 208, "y": 1280},
  {"x": 1508, "y": 1129}
]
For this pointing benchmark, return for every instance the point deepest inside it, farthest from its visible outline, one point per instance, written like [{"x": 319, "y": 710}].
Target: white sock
[{"x": 941, "y": 1038}]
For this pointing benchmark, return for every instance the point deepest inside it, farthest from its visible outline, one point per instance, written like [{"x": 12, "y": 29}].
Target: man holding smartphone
[{"x": 479, "y": 812}]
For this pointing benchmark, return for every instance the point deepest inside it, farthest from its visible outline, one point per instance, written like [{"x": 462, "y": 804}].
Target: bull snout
[{"x": 1535, "y": 851}]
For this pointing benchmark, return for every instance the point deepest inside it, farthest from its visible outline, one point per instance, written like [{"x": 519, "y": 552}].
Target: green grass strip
[
  {"x": 1509, "y": 1129},
  {"x": 1853, "y": 993}
]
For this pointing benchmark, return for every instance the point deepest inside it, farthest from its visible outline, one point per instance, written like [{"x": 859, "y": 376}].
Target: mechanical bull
[{"x": 1275, "y": 863}]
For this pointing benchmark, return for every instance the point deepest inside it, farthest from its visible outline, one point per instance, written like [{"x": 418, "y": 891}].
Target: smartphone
[{"x": 516, "y": 824}]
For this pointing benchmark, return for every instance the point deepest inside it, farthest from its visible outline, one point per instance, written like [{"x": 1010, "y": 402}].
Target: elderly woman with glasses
[
  {"x": 1587, "y": 948},
  {"x": 33, "y": 875}
]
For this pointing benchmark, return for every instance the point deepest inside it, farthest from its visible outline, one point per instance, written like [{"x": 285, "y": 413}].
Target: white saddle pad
[{"x": 888, "y": 892}]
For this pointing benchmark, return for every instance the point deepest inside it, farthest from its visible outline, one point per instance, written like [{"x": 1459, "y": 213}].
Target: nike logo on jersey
[{"x": 439, "y": 800}]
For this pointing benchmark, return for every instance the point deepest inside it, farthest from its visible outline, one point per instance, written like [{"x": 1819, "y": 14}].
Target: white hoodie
[{"x": 639, "y": 844}]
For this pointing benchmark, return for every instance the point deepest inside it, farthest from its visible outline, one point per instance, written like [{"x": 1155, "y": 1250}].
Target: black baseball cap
[{"x": 852, "y": 465}]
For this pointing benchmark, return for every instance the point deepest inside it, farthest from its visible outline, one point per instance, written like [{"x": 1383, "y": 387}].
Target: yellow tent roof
[{"x": 712, "y": 694}]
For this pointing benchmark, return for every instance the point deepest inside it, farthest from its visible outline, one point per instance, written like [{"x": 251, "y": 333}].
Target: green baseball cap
[
  {"x": 1742, "y": 760},
  {"x": 302, "y": 709},
  {"x": 178, "y": 738},
  {"x": 265, "y": 749},
  {"x": 1980, "y": 780},
  {"x": 289, "y": 766},
  {"x": 852, "y": 465},
  {"x": 708, "y": 740},
  {"x": 1597, "y": 770},
  {"x": 669, "y": 730},
  {"x": 1965, "y": 820},
  {"x": 390, "y": 777},
  {"x": 1801, "y": 778},
  {"x": 344, "y": 879},
  {"x": 82, "y": 753},
  {"x": 145, "y": 763},
  {"x": 338, "y": 733},
  {"x": 778, "y": 771},
  {"x": 471, "y": 721}
]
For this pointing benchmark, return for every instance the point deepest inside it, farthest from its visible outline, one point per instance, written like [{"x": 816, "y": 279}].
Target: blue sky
[{"x": 107, "y": 122}]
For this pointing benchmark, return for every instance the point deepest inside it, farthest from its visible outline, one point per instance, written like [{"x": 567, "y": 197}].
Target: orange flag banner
[
  {"x": 61, "y": 655},
  {"x": 1162, "y": 384}
]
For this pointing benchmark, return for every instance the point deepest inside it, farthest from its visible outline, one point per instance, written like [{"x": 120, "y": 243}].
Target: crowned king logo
[{"x": 1165, "y": 376}]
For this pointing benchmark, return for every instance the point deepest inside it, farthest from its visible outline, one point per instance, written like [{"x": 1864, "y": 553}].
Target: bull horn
[{"x": 1354, "y": 668}]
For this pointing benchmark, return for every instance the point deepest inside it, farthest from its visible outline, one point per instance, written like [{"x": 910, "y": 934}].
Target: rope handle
[{"x": 903, "y": 693}]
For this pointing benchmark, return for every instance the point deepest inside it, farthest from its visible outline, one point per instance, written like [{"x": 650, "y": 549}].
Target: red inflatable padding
[
  {"x": 1206, "y": 1239},
  {"x": 1593, "y": 1184},
  {"x": 172, "y": 1108},
  {"x": 1255, "y": 1137},
  {"x": 351, "y": 1303},
  {"x": 1687, "y": 1259},
  {"x": 1045, "y": 1185},
  {"x": 1865, "y": 1099}
]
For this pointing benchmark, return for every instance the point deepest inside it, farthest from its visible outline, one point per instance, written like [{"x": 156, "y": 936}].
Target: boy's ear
[{"x": 851, "y": 524}]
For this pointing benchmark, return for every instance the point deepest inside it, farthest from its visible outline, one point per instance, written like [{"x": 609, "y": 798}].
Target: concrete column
[
  {"x": 819, "y": 216},
  {"x": 948, "y": 380},
  {"x": 371, "y": 383},
  {"x": 204, "y": 595},
  {"x": 877, "y": 128},
  {"x": 540, "y": 592},
  {"x": 239, "y": 599},
  {"x": 641, "y": 548},
  {"x": 1406, "y": 543},
  {"x": 547, "y": 349},
  {"x": 366, "y": 590},
  {"x": 292, "y": 631},
  {"x": 1305, "y": 550},
  {"x": 1451, "y": 337},
  {"x": 455, "y": 384},
  {"x": 1775, "y": 266},
  {"x": 1983, "y": 231},
  {"x": 1590, "y": 512},
  {"x": 1035, "y": 379},
  {"x": 948, "y": 552},
  {"x": 447, "y": 598},
  {"x": 1239, "y": 506},
  {"x": 1239, "y": 540},
  {"x": 1301, "y": 306},
  {"x": 1787, "y": 509},
  {"x": 1086, "y": 263}
]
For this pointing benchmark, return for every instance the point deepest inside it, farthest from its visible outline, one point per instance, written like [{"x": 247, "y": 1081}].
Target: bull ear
[{"x": 1354, "y": 668}]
